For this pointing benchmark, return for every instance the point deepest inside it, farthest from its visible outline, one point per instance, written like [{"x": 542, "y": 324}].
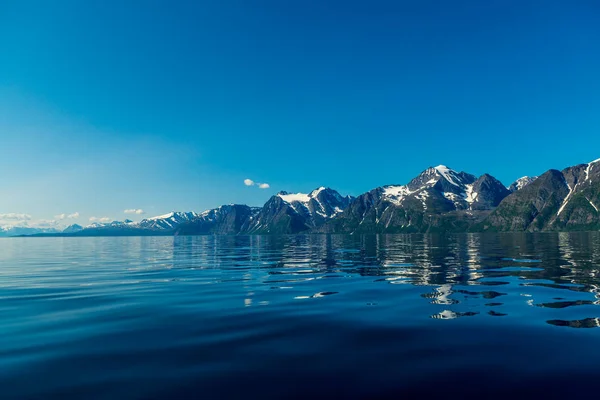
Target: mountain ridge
[{"x": 439, "y": 199}]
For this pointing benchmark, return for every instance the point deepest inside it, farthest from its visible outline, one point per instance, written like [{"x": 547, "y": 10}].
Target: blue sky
[{"x": 114, "y": 105}]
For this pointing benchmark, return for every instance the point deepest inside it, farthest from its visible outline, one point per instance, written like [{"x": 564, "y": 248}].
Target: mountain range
[{"x": 437, "y": 200}]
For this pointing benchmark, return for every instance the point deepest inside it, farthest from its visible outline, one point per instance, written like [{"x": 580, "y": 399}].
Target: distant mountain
[
  {"x": 299, "y": 212},
  {"x": 113, "y": 224},
  {"x": 26, "y": 231},
  {"x": 521, "y": 183},
  {"x": 161, "y": 225},
  {"x": 556, "y": 201},
  {"x": 167, "y": 222},
  {"x": 73, "y": 228},
  {"x": 438, "y": 199},
  {"x": 225, "y": 220}
]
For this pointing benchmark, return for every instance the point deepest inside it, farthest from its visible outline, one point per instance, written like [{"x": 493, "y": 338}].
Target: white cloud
[
  {"x": 46, "y": 223},
  {"x": 250, "y": 182},
  {"x": 17, "y": 220},
  {"x": 100, "y": 219},
  {"x": 62, "y": 216},
  {"x": 15, "y": 217},
  {"x": 137, "y": 211}
]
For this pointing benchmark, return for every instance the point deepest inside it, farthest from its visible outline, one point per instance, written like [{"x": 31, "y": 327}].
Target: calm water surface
[{"x": 379, "y": 316}]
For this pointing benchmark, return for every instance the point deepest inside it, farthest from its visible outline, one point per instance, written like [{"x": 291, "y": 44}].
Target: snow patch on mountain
[
  {"x": 521, "y": 183},
  {"x": 396, "y": 194},
  {"x": 470, "y": 195},
  {"x": 295, "y": 197},
  {"x": 322, "y": 201},
  {"x": 448, "y": 174},
  {"x": 573, "y": 190},
  {"x": 423, "y": 195},
  {"x": 316, "y": 192}
]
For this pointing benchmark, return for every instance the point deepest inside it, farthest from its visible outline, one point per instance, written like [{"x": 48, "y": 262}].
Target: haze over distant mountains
[{"x": 437, "y": 200}]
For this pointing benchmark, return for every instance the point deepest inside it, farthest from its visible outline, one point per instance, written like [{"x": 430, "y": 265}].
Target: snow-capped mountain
[
  {"x": 521, "y": 183},
  {"x": 464, "y": 191},
  {"x": 320, "y": 203},
  {"x": 455, "y": 187},
  {"x": 168, "y": 221},
  {"x": 112, "y": 224},
  {"x": 409, "y": 208},
  {"x": 297, "y": 212},
  {"x": 160, "y": 225}
]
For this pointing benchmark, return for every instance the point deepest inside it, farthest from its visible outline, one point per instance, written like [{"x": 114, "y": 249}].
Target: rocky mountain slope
[
  {"x": 293, "y": 213},
  {"x": 557, "y": 200},
  {"x": 225, "y": 220}
]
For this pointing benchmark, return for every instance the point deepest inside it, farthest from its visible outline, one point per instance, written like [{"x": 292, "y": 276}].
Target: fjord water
[{"x": 378, "y": 316}]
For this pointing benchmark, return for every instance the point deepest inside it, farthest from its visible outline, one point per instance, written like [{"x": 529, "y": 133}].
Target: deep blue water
[{"x": 266, "y": 317}]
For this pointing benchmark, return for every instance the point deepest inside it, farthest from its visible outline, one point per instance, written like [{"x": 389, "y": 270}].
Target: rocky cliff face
[
  {"x": 488, "y": 192},
  {"x": 225, "y": 220}
]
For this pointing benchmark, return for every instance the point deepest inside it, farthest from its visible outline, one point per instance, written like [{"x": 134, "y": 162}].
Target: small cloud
[
  {"x": 137, "y": 211},
  {"x": 250, "y": 182},
  {"x": 18, "y": 220},
  {"x": 15, "y": 217},
  {"x": 62, "y": 216},
  {"x": 100, "y": 219}
]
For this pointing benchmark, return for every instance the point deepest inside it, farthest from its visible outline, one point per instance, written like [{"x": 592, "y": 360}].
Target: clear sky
[{"x": 169, "y": 105}]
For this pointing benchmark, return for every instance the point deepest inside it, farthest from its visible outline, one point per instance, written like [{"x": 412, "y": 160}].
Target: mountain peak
[
  {"x": 318, "y": 190},
  {"x": 73, "y": 228},
  {"x": 449, "y": 179},
  {"x": 521, "y": 183},
  {"x": 449, "y": 175}
]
